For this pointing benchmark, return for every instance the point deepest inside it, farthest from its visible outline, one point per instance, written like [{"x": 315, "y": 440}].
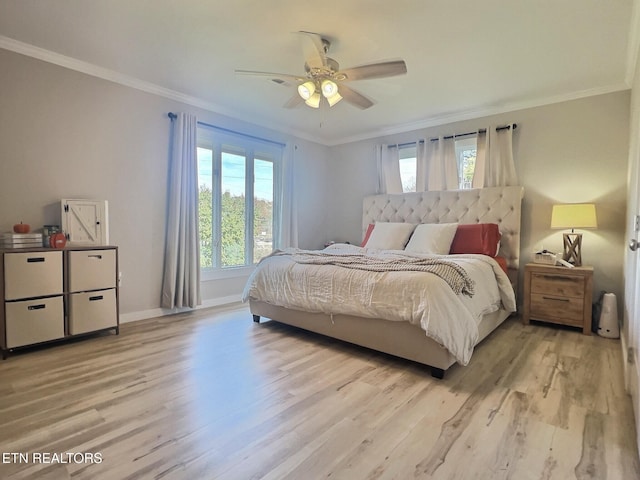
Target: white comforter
[{"x": 417, "y": 297}]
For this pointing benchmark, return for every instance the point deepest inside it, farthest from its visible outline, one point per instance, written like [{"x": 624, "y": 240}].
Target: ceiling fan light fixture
[
  {"x": 323, "y": 78},
  {"x": 333, "y": 99},
  {"x": 306, "y": 89},
  {"x": 329, "y": 88},
  {"x": 314, "y": 100}
]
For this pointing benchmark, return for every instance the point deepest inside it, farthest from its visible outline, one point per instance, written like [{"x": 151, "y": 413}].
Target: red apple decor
[{"x": 21, "y": 228}]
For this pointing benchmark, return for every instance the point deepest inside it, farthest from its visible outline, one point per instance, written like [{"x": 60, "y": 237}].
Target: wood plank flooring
[{"x": 211, "y": 395}]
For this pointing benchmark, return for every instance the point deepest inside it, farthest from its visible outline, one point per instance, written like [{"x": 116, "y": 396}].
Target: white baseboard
[{"x": 160, "y": 312}]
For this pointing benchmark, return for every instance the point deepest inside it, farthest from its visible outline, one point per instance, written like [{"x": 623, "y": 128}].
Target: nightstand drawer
[
  {"x": 558, "y": 285},
  {"x": 568, "y": 310}
]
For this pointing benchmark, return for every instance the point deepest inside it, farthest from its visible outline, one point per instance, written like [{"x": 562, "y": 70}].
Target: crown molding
[
  {"x": 432, "y": 121},
  {"x": 452, "y": 117},
  {"x": 132, "y": 82},
  {"x": 100, "y": 72}
]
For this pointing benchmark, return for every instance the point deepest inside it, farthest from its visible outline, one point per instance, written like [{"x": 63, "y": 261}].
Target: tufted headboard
[{"x": 499, "y": 205}]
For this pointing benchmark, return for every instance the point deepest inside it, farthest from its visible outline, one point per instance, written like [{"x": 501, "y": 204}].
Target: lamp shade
[
  {"x": 577, "y": 215},
  {"x": 314, "y": 100},
  {"x": 306, "y": 89},
  {"x": 329, "y": 88},
  {"x": 333, "y": 99}
]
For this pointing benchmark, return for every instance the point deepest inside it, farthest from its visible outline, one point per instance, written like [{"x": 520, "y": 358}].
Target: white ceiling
[{"x": 465, "y": 58}]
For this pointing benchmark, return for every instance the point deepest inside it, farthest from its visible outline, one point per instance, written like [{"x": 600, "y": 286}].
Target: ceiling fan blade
[
  {"x": 314, "y": 50},
  {"x": 294, "y": 101},
  {"x": 354, "y": 98},
  {"x": 274, "y": 76},
  {"x": 374, "y": 70}
]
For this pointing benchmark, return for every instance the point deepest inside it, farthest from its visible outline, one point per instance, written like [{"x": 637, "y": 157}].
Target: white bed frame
[{"x": 501, "y": 205}]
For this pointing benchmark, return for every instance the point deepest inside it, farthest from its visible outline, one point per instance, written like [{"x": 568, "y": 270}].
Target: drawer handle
[
  {"x": 97, "y": 297},
  {"x": 559, "y": 277},
  {"x": 36, "y": 307},
  {"x": 99, "y": 257},
  {"x": 35, "y": 259},
  {"x": 556, "y": 299}
]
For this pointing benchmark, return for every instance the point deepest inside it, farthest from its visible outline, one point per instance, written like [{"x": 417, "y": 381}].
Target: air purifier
[{"x": 608, "y": 324}]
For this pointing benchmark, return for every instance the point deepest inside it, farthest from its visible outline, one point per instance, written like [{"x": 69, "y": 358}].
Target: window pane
[
  {"x": 238, "y": 199},
  {"x": 408, "y": 174},
  {"x": 262, "y": 209},
  {"x": 466, "y": 155},
  {"x": 205, "y": 207},
  {"x": 232, "y": 223},
  {"x": 467, "y": 166}
]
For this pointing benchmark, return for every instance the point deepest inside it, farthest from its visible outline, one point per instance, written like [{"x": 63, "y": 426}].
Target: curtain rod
[
  {"x": 173, "y": 116},
  {"x": 482, "y": 130}
]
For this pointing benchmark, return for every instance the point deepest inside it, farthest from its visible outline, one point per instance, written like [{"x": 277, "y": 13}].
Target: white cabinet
[
  {"x": 86, "y": 221},
  {"x": 53, "y": 294}
]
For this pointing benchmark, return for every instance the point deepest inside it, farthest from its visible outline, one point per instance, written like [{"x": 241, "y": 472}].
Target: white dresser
[{"x": 54, "y": 294}]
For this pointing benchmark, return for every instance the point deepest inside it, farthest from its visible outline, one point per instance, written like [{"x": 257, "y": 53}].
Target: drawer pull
[
  {"x": 558, "y": 277},
  {"x": 36, "y": 307},
  {"x": 556, "y": 299},
  {"x": 35, "y": 259},
  {"x": 97, "y": 297},
  {"x": 99, "y": 257}
]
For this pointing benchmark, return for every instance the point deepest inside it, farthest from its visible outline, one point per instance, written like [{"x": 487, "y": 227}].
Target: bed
[{"x": 373, "y": 324}]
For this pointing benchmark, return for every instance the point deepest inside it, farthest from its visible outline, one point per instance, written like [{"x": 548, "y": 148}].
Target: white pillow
[
  {"x": 390, "y": 235},
  {"x": 432, "y": 238}
]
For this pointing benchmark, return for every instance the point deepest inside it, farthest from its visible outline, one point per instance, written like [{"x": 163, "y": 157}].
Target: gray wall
[
  {"x": 568, "y": 152},
  {"x": 64, "y": 134}
]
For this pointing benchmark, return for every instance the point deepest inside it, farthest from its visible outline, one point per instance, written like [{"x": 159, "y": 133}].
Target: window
[
  {"x": 465, "y": 155},
  {"x": 408, "y": 167},
  {"x": 237, "y": 187}
]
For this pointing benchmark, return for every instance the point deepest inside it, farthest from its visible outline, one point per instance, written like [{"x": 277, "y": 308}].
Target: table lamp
[{"x": 577, "y": 215}]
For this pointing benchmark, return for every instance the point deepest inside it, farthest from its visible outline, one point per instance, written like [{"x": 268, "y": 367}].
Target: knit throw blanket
[{"x": 452, "y": 273}]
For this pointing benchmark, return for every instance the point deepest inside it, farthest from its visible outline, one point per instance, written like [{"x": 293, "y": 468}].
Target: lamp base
[{"x": 572, "y": 248}]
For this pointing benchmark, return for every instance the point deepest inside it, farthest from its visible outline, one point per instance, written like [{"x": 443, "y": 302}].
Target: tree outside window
[{"x": 236, "y": 201}]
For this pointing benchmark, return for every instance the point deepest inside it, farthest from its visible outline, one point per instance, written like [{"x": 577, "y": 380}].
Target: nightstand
[{"x": 558, "y": 295}]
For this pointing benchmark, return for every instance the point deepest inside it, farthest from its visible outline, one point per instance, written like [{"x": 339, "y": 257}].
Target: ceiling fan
[{"x": 324, "y": 79}]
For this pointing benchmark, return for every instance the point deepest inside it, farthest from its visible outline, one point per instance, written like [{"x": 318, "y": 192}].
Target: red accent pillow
[
  {"x": 367, "y": 235},
  {"x": 503, "y": 264},
  {"x": 481, "y": 238}
]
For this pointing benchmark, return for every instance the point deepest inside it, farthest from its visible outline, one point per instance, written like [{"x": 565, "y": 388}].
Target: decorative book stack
[{"x": 20, "y": 240}]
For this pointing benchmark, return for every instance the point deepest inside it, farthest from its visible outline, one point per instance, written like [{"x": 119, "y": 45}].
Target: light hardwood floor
[{"x": 211, "y": 395}]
